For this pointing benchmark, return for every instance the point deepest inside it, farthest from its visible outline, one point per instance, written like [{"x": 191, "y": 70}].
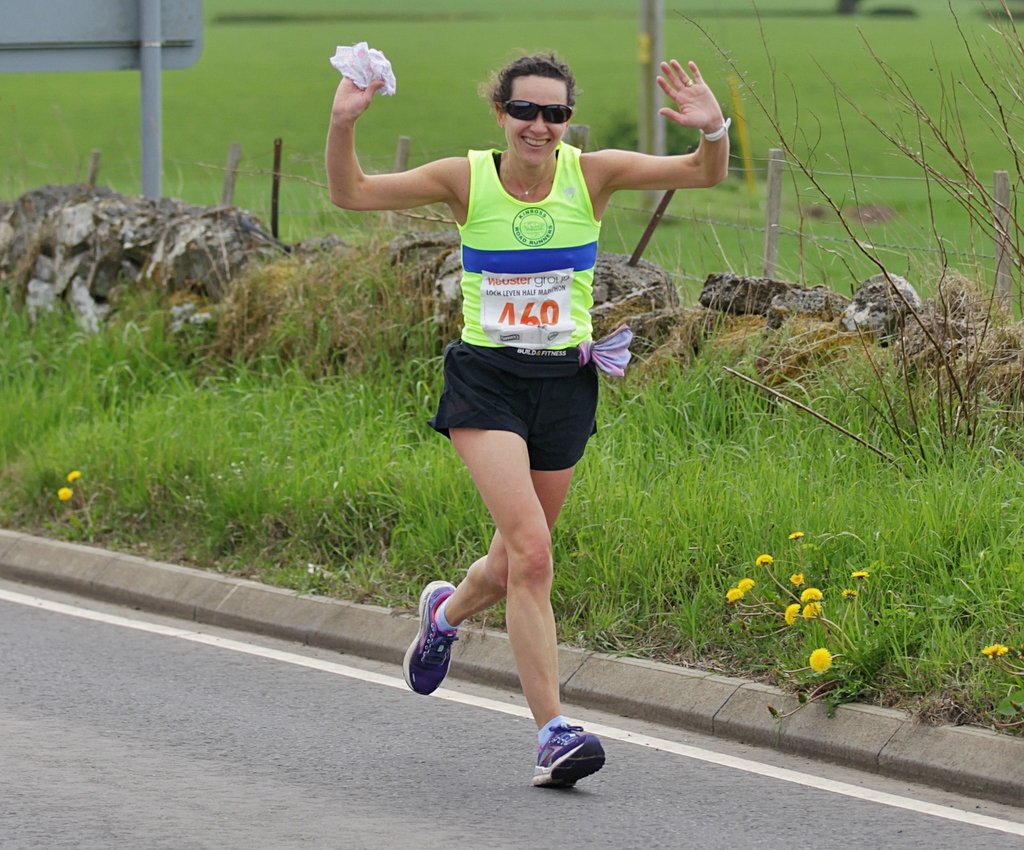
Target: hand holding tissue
[{"x": 362, "y": 65}]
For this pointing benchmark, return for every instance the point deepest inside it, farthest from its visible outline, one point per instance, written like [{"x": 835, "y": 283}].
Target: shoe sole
[
  {"x": 586, "y": 759},
  {"x": 424, "y": 627}
]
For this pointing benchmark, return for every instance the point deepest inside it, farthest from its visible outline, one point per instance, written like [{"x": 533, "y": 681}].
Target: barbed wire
[
  {"x": 382, "y": 163},
  {"x": 898, "y": 247},
  {"x": 261, "y": 168}
]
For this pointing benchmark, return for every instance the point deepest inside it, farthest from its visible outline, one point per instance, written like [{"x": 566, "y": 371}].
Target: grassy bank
[{"x": 289, "y": 444}]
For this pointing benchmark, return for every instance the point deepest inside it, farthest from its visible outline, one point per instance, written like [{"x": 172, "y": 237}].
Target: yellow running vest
[{"x": 528, "y": 268}]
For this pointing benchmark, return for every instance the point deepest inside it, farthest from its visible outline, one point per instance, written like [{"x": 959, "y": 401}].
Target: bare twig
[
  {"x": 811, "y": 411},
  {"x": 944, "y": 132}
]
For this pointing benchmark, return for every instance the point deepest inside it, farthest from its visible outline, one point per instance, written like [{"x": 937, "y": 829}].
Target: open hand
[{"x": 696, "y": 106}]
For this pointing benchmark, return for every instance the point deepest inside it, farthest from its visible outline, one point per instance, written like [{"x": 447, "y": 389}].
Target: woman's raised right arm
[{"x": 441, "y": 181}]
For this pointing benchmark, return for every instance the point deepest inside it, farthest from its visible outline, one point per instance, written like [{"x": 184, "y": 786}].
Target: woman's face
[{"x": 536, "y": 140}]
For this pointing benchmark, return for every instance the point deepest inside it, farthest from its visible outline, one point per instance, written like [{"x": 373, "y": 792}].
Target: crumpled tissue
[{"x": 363, "y": 64}]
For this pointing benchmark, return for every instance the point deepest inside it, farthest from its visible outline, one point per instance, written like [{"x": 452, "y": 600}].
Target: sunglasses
[{"x": 526, "y": 110}]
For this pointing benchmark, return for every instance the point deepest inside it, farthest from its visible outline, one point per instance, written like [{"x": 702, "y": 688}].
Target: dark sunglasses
[{"x": 525, "y": 110}]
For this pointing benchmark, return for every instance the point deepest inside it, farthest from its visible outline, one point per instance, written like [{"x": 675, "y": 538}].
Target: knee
[{"x": 530, "y": 563}]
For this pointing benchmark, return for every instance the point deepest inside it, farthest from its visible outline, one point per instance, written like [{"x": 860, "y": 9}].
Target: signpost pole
[{"x": 150, "y": 44}]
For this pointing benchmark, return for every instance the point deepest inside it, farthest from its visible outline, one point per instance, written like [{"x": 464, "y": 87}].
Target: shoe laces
[
  {"x": 437, "y": 646},
  {"x": 563, "y": 735}
]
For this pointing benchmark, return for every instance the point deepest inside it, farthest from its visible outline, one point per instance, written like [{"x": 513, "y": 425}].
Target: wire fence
[
  {"x": 988, "y": 248},
  {"x": 785, "y": 209}
]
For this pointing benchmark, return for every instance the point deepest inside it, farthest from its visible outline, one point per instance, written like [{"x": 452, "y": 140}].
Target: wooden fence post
[
  {"x": 773, "y": 204},
  {"x": 578, "y": 135},
  {"x": 275, "y": 187},
  {"x": 227, "y": 194},
  {"x": 392, "y": 219},
  {"x": 1004, "y": 280},
  {"x": 94, "y": 168},
  {"x": 401, "y": 154},
  {"x": 659, "y": 211}
]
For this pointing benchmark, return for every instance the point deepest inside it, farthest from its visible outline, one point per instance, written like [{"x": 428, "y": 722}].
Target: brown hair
[{"x": 548, "y": 65}]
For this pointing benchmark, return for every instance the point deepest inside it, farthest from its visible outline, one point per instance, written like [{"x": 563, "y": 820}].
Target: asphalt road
[{"x": 135, "y": 731}]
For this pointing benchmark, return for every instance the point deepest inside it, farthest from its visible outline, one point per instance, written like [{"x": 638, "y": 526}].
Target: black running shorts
[{"x": 546, "y": 398}]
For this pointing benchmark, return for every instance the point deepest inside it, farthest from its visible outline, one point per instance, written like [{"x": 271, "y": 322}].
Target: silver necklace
[{"x": 525, "y": 193}]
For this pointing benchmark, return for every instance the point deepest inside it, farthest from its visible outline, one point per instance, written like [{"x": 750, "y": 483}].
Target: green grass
[
  {"x": 259, "y": 81},
  {"x": 305, "y": 466}
]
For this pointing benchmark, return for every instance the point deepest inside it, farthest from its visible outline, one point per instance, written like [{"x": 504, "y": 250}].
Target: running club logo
[{"x": 533, "y": 227}]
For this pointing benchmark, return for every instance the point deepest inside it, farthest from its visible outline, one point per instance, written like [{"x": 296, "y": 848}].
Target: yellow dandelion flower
[
  {"x": 812, "y": 594},
  {"x": 796, "y": 579},
  {"x": 820, "y": 660},
  {"x": 796, "y": 535},
  {"x": 765, "y": 560},
  {"x": 65, "y": 493},
  {"x": 734, "y": 594},
  {"x": 745, "y": 584},
  {"x": 860, "y": 574},
  {"x": 812, "y": 610},
  {"x": 792, "y": 612},
  {"x": 995, "y": 650},
  {"x": 73, "y": 476},
  {"x": 849, "y": 594}
]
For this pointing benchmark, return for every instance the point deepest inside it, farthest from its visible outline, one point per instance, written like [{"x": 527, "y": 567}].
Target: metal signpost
[{"x": 107, "y": 35}]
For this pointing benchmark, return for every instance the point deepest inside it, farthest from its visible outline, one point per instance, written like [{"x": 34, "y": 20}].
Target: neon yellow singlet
[{"x": 528, "y": 268}]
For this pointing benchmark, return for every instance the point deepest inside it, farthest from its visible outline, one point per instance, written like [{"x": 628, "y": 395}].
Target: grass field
[
  {"x": 308, "y": 463},
  {"x": 264, "y": 75}
]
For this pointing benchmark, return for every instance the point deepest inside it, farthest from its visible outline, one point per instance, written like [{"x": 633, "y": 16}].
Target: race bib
[{"x": 527, "y": 310}]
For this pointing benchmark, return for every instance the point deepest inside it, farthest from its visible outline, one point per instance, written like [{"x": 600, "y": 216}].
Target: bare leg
[
  {"x": 486, "y": 582},
  {"x": 518, "y": 566}
]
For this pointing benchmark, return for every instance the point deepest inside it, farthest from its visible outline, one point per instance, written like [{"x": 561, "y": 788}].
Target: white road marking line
[{"x": 610, "y": 732}]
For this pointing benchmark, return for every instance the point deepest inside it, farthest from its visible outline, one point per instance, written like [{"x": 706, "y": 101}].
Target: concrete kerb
[
  {"x": 368, "y": 631},
  {"x": 855, "y": 736},
  {"x": 64, "y": 566},
  {"x": 966, "y": 759},
  {"x": 170, "y": 589},
  {"x": 963, "y": 758},
  {"x": 651, "y": 691},
  {"x": 7, "y": 541}
]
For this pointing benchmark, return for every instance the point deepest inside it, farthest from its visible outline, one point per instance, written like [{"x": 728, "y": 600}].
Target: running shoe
[
  {"x": 427, "y": 659},
  {"x": 569, "y": 755}
]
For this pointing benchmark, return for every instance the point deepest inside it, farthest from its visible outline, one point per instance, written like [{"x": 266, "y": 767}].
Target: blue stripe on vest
[{"x": 529, "y": 260}]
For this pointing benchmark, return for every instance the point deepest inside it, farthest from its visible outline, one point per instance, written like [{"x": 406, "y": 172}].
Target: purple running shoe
[
  {"x": 427, "y": 659},
  {"x": 569, "y": 754}
]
